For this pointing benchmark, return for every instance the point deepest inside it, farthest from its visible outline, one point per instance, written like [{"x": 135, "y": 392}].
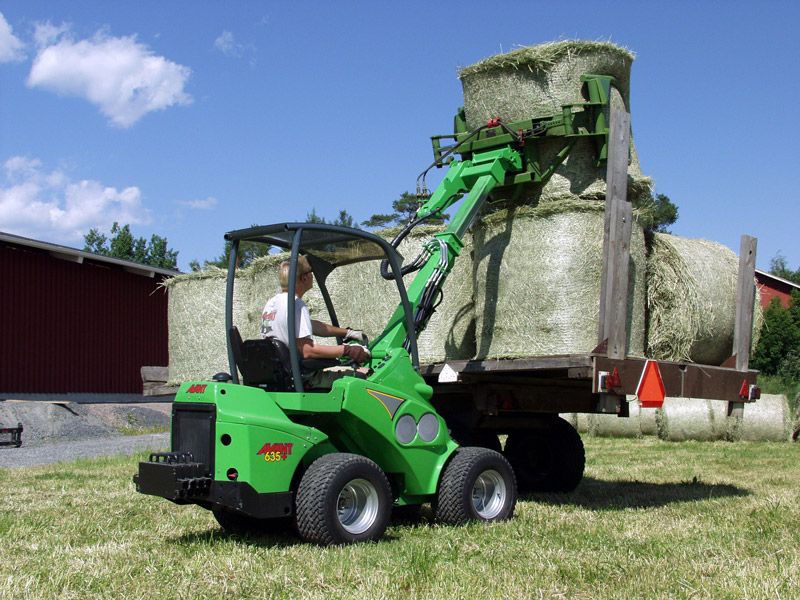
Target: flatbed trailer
[{"x": 500, "y": 396}]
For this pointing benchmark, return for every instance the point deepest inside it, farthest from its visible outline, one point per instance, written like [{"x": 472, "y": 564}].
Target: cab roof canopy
[{"x": 331, "y": 244}]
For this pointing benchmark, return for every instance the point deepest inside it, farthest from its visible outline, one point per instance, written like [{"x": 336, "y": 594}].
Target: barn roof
[
  {"x": 762, "y": 275},
  {"x": 78, "y": 256}
]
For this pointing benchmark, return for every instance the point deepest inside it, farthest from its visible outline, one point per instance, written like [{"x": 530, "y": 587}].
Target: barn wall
[{"x": 67, "y": 327}]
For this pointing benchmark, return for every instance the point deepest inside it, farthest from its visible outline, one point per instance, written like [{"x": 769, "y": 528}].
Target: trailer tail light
[
  {"x": 651, "y": 391},
  {"x": 749, "y": 392},
  {"x": 609, "y": 382}
]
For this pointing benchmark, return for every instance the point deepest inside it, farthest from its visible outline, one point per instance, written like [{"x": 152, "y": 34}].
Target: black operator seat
[{"x": 266, "y": 363}]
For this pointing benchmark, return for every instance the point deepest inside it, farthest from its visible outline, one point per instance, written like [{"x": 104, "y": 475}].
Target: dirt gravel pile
[{"x": 45, "y": 422}]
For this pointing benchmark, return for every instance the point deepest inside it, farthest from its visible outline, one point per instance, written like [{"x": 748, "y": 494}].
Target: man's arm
[
  {"x": 307, "y": 349},
  {"x": 325, "y": 330}
]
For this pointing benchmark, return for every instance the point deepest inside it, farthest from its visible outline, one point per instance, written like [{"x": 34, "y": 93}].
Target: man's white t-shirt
[{"x": 275, "y": 318}]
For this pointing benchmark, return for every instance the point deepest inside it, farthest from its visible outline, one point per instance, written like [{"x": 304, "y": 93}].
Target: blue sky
[{"x": 188, "y": 119}]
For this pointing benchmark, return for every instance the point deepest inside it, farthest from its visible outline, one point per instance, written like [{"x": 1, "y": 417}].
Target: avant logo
[
  {"x": 275, "y": 452},
  {"x": 197, "y": 388}
]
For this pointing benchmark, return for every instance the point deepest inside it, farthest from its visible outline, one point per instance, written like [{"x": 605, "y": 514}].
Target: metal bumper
[{"x": 177, "y": 477}]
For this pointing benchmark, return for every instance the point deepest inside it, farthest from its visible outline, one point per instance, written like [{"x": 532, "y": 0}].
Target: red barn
[
  {"x": 75, "y": 322},
  {"x": 774, "y": 287}
]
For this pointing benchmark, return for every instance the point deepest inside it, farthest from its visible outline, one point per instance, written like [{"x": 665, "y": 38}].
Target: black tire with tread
[
  {"x": 547, "y": 461},
  {"x": 318, "y": 492},
  {"x": 453, "y": 504}
]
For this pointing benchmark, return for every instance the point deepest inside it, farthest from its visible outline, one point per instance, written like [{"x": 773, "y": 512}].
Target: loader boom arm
[{"x": 471, "y": 180}]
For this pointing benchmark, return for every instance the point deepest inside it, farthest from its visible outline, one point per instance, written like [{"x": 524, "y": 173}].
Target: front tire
[
  {"x": 342, "y": 499},
  {"x": 477, "y": 485}
]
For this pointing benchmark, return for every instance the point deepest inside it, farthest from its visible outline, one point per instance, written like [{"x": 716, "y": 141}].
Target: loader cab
[{"x": 327, "y": 247}]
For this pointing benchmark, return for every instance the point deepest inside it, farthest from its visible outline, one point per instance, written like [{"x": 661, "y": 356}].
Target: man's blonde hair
[{"x": 283, "y": 271}]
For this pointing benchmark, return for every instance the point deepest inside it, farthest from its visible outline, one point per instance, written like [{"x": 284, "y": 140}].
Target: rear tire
[
  {"x": 477, "y": 485},
  {"x": 342, "y": 499},
  {"x": 547, "y": 461}
]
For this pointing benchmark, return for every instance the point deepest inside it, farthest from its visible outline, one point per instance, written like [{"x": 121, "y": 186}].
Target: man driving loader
[{"x": 275, "y": 318}]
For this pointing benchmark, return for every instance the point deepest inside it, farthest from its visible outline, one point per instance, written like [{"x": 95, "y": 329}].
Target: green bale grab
[{"x": 536, "y": 81}]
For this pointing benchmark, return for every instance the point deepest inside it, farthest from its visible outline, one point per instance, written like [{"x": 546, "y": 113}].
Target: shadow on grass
[
  {"x": 273, "y": 539},
  {"x": 599, "y": 494}
]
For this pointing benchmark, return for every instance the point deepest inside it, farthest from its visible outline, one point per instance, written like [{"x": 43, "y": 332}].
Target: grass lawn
[{"x": 651, "y": 519}]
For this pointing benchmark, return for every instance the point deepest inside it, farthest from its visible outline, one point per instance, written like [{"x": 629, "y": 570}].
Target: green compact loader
[{"x": 260, "y": 447}]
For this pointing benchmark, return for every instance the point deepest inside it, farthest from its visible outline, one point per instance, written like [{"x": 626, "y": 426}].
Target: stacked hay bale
[
  {"x": 537, "y": 280},
  {"x": 536, "y": 81},
  {"x": 538, "y": 263},
  {"x": 364, "y": 299},
  {"x": 691, "y": 299},
  {"x": 196, "y": 323}
]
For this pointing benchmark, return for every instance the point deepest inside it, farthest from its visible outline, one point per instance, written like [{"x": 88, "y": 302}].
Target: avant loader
[{"x": 260, "y": 447}]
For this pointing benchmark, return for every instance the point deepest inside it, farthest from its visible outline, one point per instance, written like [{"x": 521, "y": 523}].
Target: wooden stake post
[{"x": 616, "y": 240}]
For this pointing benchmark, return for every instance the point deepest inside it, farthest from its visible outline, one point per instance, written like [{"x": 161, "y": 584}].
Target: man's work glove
[
  {"x": 355, "y": 335},
  {"x": 357, "y": 353}
]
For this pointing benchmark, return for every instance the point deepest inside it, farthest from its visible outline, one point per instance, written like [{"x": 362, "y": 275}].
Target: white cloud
[
  {"x": 11, "y": 48},
  {"x": 226, "y": 43},
  {"x": 122, "y": 77},
  {"x": 206, "y": 204},
  {"x": 47, "y": 33},
  {"x": 50, "y": 206}
]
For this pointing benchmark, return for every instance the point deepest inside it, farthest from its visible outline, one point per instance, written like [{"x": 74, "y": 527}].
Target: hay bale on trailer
[
  {"x": 537, "y": 281},
  {"x": 691, "y": 300},
  {"x": 364, "y": 299},
  {"x": 196, "y": 323},
  {"x": 536, "y": 81}
]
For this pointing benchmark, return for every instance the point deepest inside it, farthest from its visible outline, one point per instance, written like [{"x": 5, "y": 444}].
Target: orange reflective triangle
[{"x": 650, "y": 390}]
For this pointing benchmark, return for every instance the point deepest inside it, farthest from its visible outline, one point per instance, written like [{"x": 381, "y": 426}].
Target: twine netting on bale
[
  {"x": 196, "y": 323},
  {"x": 364, "y": 300},
  {"x": 536, "y": 81},
  {"x": 537, "y": 274},
  {"x": 691, "y": 299}
]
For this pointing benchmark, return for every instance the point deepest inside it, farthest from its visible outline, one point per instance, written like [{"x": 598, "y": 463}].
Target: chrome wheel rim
[
  {"x": 357, "y": 506},
  {"x": 489, "y": 494}
]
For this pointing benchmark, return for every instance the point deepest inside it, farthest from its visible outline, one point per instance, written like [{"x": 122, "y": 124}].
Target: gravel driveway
[{"x": 54, "y": 452}]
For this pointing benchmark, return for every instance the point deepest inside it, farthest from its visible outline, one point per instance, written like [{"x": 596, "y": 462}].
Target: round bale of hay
[
  {"x": 537, "y": 281},
  {"x": 604, "y": 425},
  {"x": 682, "y": 419},
  {"x": 768, "y": 419},
  {"x": 363, "y": 299},
  {"x": 691, "y": 300},
  {"x": 536, "y": 81},
  {"x": 196, "y": 323}
]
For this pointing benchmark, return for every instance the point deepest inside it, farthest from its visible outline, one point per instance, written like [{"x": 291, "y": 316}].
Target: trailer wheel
[
  {"x": 477, "y": 485},
  {"x": 343, "y": 498},
  {"x": 547, "y": 461},
  {"x": 235, "y": 522}
]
